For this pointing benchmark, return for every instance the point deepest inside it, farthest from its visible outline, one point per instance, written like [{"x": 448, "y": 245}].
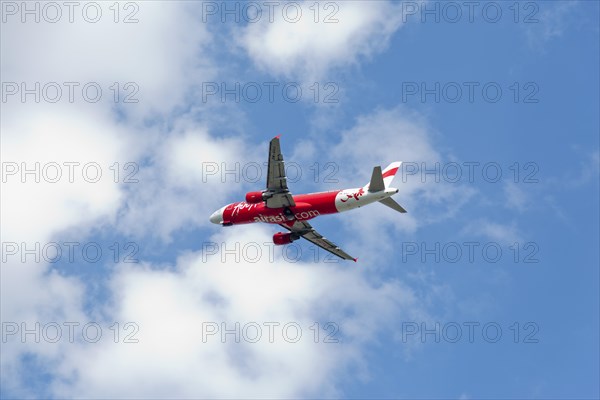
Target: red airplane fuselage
[{"x": 307, "y": 206}]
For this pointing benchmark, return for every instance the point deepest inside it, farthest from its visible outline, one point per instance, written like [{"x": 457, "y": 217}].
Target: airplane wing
[
  {"x": 277, "y": 188},
  {"x": 305, "y": 230}
]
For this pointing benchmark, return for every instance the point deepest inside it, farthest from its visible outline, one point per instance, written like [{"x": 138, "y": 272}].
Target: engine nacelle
[
  {"x": 281, "y": 238},
  {"x": 254, "y": 197}
]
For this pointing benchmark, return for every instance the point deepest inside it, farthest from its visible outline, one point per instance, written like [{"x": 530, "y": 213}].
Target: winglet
[
  {"x": 355, "y": 259},
  {"x": 277, "y": 137}
]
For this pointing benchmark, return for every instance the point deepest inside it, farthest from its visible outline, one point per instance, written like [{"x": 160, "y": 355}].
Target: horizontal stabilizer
[{"x": 391, "y": 203}]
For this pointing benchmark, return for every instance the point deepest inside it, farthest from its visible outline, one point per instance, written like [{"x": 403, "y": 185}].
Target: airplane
[{"x": 276, "y": 205}]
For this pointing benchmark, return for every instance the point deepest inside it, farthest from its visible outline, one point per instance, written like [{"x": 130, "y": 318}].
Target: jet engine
[
  {"x": 254, "y": 197},
  {"x": 281, "y": 238}
]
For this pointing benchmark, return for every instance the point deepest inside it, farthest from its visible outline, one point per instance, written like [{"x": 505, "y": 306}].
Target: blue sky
[{"x": 186, "y": 275}]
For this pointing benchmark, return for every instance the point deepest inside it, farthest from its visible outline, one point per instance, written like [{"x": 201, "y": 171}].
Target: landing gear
[{"x": 289, "y": 215}]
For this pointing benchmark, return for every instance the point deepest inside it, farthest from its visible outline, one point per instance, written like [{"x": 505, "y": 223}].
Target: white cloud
[
  {"x": 589, "y": 169},
  {"x": 189, "y": 175},
  {"x": 502, "y": 233},
  {"x": 550, "y": 23},
  {"x": 516, "y": 197},
  {"x": 379, "y": 138},
  {"x": 308, "y": 50},
  {"x": 46, "y": 142},
  {"x": 170, "y": 304},
  {"x": 156, "y": 53},
  {"x": 161, "y": 53},
  {"x": 170, "y": 307},
  {"x": 31, "y": 294}
]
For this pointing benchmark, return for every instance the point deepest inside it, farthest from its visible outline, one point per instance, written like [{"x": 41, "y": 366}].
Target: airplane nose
[{"x": 217, "y": 217}]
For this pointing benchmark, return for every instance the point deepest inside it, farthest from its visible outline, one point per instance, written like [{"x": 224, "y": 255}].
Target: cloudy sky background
[{"x": 355, "y": 63}]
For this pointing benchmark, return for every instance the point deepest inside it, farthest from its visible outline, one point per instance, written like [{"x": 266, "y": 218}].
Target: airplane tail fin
[
  {"x": 389, "y": 172},
  {"x": 381, "y": 180}
]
